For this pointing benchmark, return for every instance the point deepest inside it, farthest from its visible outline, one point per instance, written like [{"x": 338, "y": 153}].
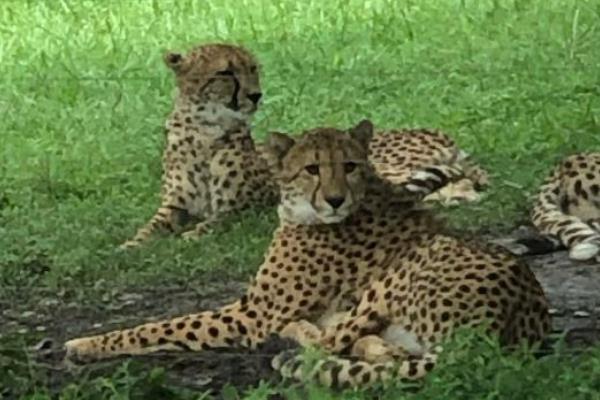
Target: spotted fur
[
  {"x": 210, "y": 164},
  {"x": 567, "y": 210},
  {"x": 395, "y": 154},
  {"x": 355, "y": 266}
]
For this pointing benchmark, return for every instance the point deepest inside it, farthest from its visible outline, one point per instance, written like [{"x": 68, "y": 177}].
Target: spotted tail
[
  {"x": 337, "y": 372},
  {"x": 424, "y": 181}
]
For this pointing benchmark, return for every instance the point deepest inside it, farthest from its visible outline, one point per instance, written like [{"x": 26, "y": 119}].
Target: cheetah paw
[
  {"x": 374, "y": 349},
  {"x": 303, "y": 332},
  {"x": 128, "y": 245},
  {"x": 191, "y": 236},
  {"x": 584, "y": 251},
  {"x": 455, "y": 193},
  {"x": 78, "y": 350},
  {"x": 198, "y": 231}
]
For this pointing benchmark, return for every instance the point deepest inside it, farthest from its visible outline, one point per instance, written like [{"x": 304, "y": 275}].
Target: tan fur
[
  {"x": 372, "y": 269},
  {"x": 210, "y": 164},
  {"x": 568, "y": 205},
  {"x": 395, "y": 154}
]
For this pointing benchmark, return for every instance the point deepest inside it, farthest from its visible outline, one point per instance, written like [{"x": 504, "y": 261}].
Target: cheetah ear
[
  {"x": 363, "y": 132},
  {"x": 175, "y": 61},
  {"x": 278, "y": 144}
]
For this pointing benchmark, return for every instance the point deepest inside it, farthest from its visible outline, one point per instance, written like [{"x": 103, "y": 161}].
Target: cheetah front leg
[
  {"x": 166, "y": 218},
  {"x": 369, "y": 317},
  {"x": 200, "y": 229},
  {"x": 231, "y": 326},
  {"x": 374, "y": 349}
]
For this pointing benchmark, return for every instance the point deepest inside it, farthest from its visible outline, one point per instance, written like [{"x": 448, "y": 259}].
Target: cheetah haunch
[{"x": 355, "y": 266}]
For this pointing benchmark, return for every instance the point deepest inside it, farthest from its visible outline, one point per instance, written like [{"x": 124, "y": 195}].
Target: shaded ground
[{"x": 46, "y": 320}]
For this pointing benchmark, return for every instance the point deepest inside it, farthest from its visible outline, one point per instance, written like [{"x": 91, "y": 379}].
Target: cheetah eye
[
  {"x": 349, "y": 167},
  {"x": 225, "y": 72},
  {"x": 312, "y": 169}
]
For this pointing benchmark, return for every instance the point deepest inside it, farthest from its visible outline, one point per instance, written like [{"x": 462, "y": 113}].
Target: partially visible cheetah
[
  {"x": 567, "y": 210},
  {"x": 396, "y": 154},
  {"x": 210, "y": 164},
  {"x": 354, "y": 266}
]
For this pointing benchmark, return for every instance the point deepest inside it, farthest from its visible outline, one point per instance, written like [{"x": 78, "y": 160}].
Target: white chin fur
[
  {"x": 331, "y": 219},
  {"x": 219, "y": 113},
  {"x": 302, "y": 212}
]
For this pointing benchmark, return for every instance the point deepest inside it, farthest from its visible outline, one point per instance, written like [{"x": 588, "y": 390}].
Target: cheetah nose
[
  {"x": 255, "y": 97},
  {"x": 335, "y": 202}
]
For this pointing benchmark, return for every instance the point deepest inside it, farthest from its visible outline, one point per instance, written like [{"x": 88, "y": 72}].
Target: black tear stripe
[
  {"x": 349, "y": 188},
  {"x": 313, "y": 196},
  {"x": 234, "y": 104}
]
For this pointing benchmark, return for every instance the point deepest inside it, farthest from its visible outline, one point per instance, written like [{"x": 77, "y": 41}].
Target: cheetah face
[
  {"x": 217, "y": 80},
  {"x": 322, "y": 174}
]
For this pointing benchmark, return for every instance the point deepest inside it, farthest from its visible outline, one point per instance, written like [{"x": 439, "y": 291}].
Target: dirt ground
[{"x": 572, "y": 287}]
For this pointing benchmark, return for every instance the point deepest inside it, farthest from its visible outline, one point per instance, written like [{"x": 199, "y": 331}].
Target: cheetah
[
  {"x": 395, "y": 154},
  {"x": 356, "y": 265},
  {"x": 210, "y": 164},
  {"x": 567, "y": 210}
]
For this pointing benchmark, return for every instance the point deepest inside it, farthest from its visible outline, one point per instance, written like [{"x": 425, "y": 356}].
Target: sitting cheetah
[
  {"x": 211, "y": 165},
  {"x": 567, "y": 210},
  {"x": 354, "y": 265}
]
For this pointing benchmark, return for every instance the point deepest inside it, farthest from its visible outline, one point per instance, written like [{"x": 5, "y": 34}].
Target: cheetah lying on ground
[
  {"x": 396, "y": 154},
  {"x": 567, "y": 210},
  {"x": 354, "y": 265},
  {"x": 211, "y": 165}
]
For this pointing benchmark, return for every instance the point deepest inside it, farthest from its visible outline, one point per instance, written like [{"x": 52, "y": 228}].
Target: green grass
[
  {"x": 84, "y": 95},
  {"x": 475, "y": 368}
]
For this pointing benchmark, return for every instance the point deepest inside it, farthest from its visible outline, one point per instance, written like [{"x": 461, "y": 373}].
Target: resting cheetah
[
  {"x": 567, "y": 209},
  {"x": 210, "y": 164},
  {"x": 354, "y": 256},
  {"x": 396, "y": 154}
]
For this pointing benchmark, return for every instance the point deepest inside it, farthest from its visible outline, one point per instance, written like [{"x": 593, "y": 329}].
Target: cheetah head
[
  {"x": 322, "y": 174},
  {"x": 217, "y": 81}
]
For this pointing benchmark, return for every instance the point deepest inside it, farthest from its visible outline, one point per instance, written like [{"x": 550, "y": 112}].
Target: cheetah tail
[
  {"x": 534, "y": 245},
  {"x": 336, "y": 372},
  {"x": 424, "y": 181}
]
